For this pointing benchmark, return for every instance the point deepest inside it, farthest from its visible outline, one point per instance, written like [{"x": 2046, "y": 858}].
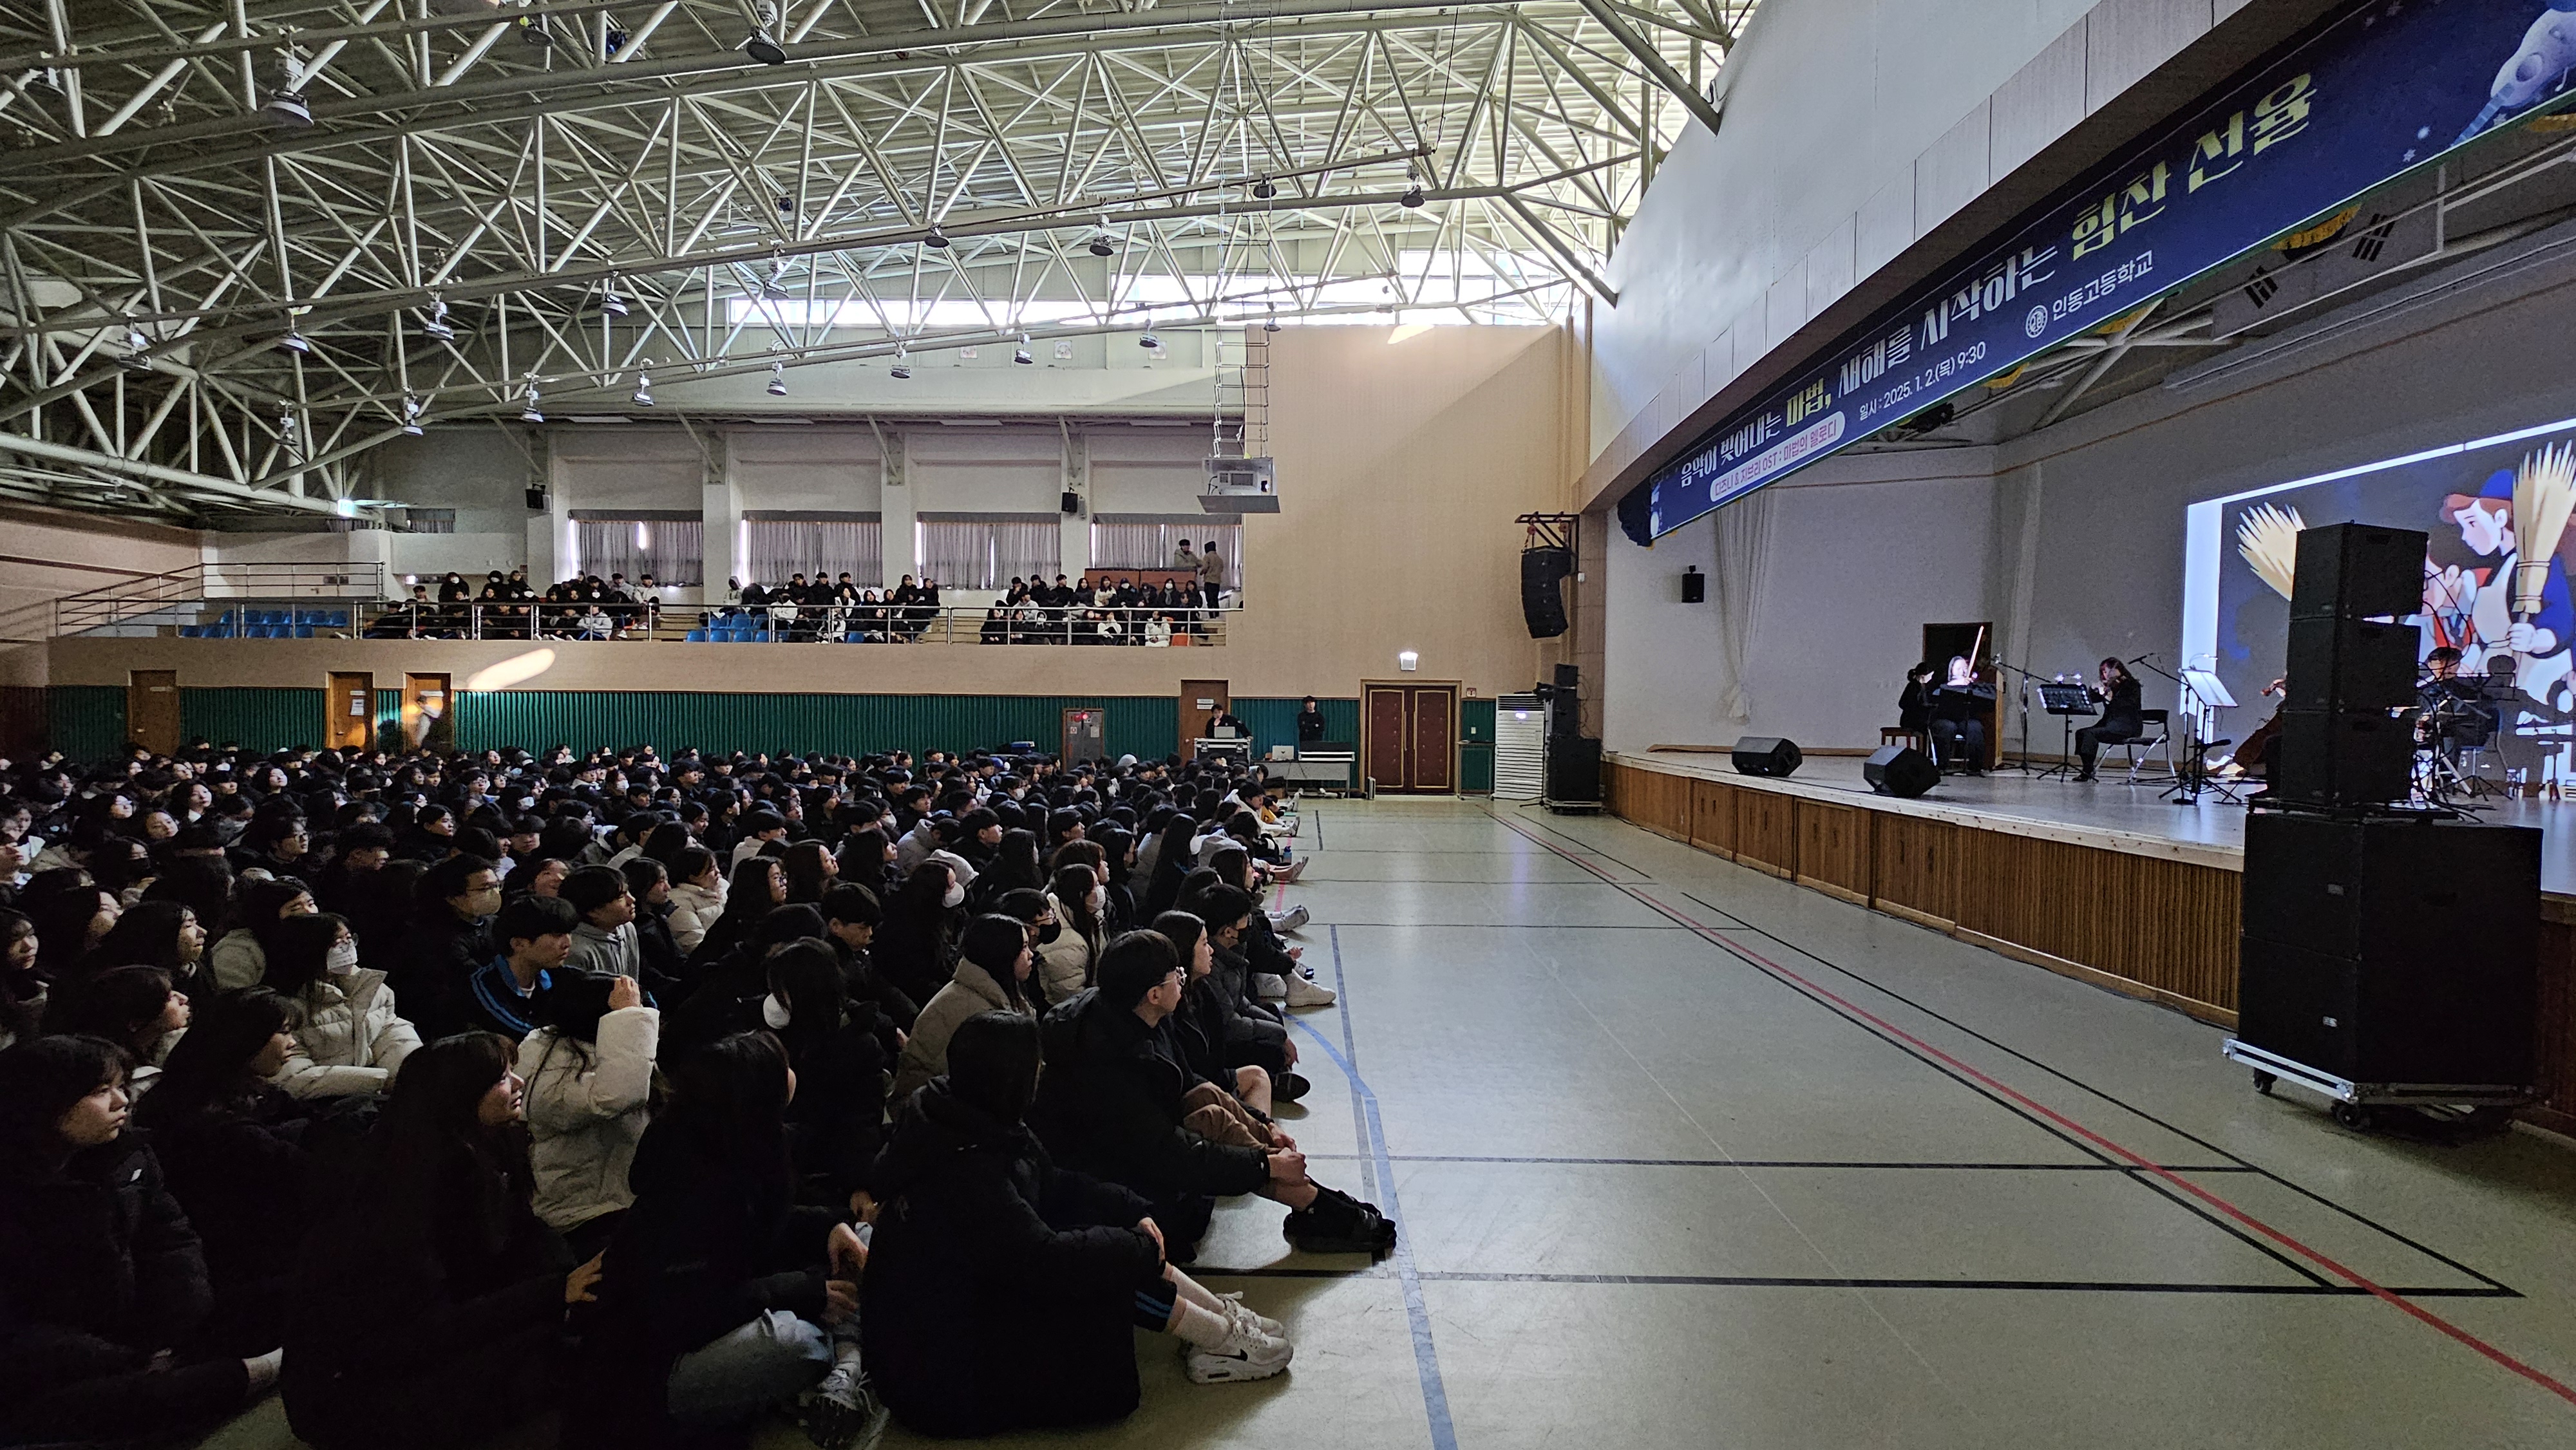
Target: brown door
[
  {"x": 1201, "y": 702},
  {"x": 428, "y": 712},
  {"x": 1382, "y": 717},
  {"x": 152, "y": 710},
  {"x": 1430, "y": 739},
  {"x": 353, "y": 711}
]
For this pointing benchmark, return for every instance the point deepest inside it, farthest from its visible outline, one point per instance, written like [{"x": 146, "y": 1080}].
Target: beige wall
[
  {"x": 45, "y": 555},
  {"x": 1401, "y": 468}
]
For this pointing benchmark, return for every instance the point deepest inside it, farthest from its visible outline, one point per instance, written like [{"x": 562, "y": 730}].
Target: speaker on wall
[
  {"x": 1543, "y": 571},
  {"x": 1072, "y": 502},
  {"x": 537, "y": 499},
  {"x": 1900, "y": 770},
  {"x": 1694, "y": 586},
  {"x": 1772, "y": 755}
]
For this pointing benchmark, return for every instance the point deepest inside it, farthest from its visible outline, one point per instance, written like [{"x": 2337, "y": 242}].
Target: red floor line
[{"x": 1861, "y": 1014}]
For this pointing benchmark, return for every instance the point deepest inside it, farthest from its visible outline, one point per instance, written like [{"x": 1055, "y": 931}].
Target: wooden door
[
  {"x": 1382, "y": 719},
  {"x": 152, "y": 710},
  {"x": 353, "y": 711},
  {"x": 1201, "y": 702},
  {"x": 1431, "y": 739},
  {"x": 1086, "y": 735},
  {"x": 428, "y": 712}
]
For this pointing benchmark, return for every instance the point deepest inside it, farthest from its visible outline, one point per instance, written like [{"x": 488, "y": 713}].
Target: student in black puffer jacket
[
  {"x": 100, "y": 1274},
  {"x": 981, "y": 1241}
]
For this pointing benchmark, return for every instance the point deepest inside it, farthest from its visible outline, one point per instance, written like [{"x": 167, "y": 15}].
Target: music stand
[
  {"x": 2066, "y": 701},
  {"x": 2207, "y": 697}
]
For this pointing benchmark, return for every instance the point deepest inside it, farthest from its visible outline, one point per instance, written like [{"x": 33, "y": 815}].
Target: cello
[{"x": 2250, "y": 754}]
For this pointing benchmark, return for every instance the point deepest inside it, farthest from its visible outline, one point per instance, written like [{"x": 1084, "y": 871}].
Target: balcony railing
[
  {"x": 158, "y": 603},
  {"x": 803, "y": 624}
]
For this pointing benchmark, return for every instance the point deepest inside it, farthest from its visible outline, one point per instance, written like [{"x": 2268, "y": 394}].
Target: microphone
[{"x": 2142, "y": 659}]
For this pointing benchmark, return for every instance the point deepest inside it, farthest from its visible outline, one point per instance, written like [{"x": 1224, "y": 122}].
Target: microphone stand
[{"x": 2023, "y": 763}]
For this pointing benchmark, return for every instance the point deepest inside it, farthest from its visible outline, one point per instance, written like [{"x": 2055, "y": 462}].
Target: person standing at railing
[{"x": 1211, "y": 573}]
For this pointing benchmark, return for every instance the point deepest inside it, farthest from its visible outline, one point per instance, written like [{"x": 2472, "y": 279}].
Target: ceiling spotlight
[
  {"x": 775, "y": 289},
  {"x": 643, "y": 388},
  {"x": 136, "y": 344},
  {"x": 437, "y": 326},
  {"x": 286, "y": 108},
  {"x": 786, "y": 203},
  {"x": 902, "y": 369},
  {"x": 1149, "y": 340},
  {"x": 1263, "y": 189},
  {"x": 1271, "y": 322},
  {"x": 1101, "y": 246},
  {"x": 761, "y": 47},
  {"x": 1412, "y": 196},
  {"x": 1022, "y": 355},
  {"x": 294, "y": 341},
  {"x": 937, "y": 238},
  {"x": 529, "y": 412},
  {"x": 610, "y": 303},
  {"x": 412, "y": 409},
  {"x": 778, "y": 380}
]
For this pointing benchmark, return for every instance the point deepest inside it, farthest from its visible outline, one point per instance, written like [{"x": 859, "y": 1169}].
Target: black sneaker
[
  {"x": 1336, "y": 1223},
  {"x": 1288, "y": 1087}
]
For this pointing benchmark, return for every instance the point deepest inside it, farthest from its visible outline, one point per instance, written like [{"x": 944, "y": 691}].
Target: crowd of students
[{"x": 441, "y": 1091}]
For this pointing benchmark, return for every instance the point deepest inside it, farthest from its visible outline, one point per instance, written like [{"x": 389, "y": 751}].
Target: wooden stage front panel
[{"x": 2146, "y": 925}]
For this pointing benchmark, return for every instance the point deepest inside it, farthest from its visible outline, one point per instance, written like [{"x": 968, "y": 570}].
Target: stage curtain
[{"x": 1743, "y": 550}]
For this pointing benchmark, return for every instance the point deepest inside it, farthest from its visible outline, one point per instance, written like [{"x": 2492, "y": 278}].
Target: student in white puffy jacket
[
  {"x": 350, "y": 1038},
  {"x": 697, "y": 896},
  {"x": 1070, "y": 938},
  {"x": 590, "y": 1085}
]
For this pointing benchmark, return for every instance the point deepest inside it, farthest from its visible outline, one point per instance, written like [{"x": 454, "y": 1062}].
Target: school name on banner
[{"x": 2381, "y": 92}]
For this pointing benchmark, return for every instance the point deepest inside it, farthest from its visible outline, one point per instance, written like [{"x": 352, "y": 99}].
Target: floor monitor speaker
[
  {"x": 1772, "y": 755},
  {"x": 1901, "y": 770}
]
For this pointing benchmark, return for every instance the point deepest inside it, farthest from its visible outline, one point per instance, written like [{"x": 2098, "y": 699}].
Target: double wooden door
[{"x": 1411, "y": 737}]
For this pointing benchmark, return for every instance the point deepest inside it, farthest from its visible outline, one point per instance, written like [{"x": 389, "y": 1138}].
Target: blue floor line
[{"x": 1426, "y": 1359}]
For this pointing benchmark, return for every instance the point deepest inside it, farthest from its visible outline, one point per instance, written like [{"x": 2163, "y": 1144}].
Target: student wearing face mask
[
  {"x": 350, "y": 1037},
  {"x": 1070, "y": 948},
  {"x": 992, "y": 975}
]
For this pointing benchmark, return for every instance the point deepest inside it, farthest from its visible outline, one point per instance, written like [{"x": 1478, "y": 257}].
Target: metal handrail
[
  {"x": 353, "y": 584},
  {"x": 773, "y": 624}
]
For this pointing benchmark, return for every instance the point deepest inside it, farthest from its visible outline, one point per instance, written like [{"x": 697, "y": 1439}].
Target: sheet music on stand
[
  {"x": 2208, "y": 697},
  {"x": 2065, "y": 699}
]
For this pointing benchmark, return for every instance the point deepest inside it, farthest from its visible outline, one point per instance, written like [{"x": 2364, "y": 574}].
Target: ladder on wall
[{"x": 1242, "y": 421}]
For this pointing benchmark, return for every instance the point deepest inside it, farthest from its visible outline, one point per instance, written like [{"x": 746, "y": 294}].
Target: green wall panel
[
  {"x": 255, "y": 719},
  {"x": 1476, "y": 721},
  {"x": 1274, "y": 722},
  {"x": 86, "y": 722},
  {"x": 537, "y": 720}
]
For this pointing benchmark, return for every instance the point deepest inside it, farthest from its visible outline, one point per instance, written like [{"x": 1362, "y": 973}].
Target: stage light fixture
[
  {"x": 136, "y": 344},
  {"x": 902, "y": 369},
  {"x": 294, "y": 341},
  {"x": 1412, "y": 198},
  {"x": 288, "y": 109},
  {"x": 437, "y": 325},
  {"x": 529, "y": 412},
  {"x": 1100, "y": 245},
  {"x": 1022, "y": 355},
  {"x": 412, "y": 408},
  {"x": 1263, "y": 190},
  {"x": 610, "y": 303},
  {"x": 761, "y": 46},
  {"x": 778, "y": 380},
  {"x": 937, "y": 238}
]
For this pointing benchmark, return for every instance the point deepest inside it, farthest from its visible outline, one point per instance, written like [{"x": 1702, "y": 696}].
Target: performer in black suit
[
  {"x": 2120, "y": 722},
  {"x": 1959, "y": 707},
  {"x": 1914, "y": 707}
]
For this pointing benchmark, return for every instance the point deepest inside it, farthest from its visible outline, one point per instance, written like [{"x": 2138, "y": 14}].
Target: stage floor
[{"x": 2105, "y": 812}]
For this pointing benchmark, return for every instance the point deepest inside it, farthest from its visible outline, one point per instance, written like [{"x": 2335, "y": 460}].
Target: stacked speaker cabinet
[
  {"x": 2347, "y": 727},
  {"x": 1543, "y": 573}
]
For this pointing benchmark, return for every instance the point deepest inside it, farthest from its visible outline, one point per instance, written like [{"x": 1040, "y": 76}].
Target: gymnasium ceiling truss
[{"x": 211, "y": 305}]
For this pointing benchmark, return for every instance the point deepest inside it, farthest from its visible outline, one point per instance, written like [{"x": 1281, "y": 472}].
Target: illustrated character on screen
[
  {"x": 2520, "y": 603},
  {"x": 2533, "y": 71}
]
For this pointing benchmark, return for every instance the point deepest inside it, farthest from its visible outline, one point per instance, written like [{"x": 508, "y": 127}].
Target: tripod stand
[
  {"x": 2191, "y": 773},
  {"x": 2022, "y": 762}
]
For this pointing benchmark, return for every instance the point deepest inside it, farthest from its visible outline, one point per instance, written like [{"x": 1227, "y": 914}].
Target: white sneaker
[
  {"x": 1244, "y": 1315},
  {"x": 1303, "y": 993},
  {"x": 1246, "y": 1354},
  {"x": 1291, "y": 919},
  {"x": 1269, "y": 987}
]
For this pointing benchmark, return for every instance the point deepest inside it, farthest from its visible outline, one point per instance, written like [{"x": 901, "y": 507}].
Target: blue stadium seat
[
  {"x": 762, "y": 636},
  {"x": 303, "y": 631},
  {"x": 188, "y": 631},
  {"x": 337, "y": 619},
  {"x": 697, "y": 636},
  {"x": 225, "y": 620}
]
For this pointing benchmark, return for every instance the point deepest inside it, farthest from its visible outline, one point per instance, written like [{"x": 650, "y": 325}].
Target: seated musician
[
  {"x": 1914, "y": 707},
  {"x": 2120, "y": 722},
  {"x": 1958, "y": 726}
]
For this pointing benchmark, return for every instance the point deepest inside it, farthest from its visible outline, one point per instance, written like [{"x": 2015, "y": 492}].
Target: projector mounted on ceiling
[{"x": 1241, "y": 486}]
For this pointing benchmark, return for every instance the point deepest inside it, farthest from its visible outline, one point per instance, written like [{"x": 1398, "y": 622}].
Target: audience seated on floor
[{"x": 551, "y": 1111}]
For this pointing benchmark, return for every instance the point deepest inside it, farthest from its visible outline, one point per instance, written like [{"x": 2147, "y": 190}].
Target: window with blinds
[
  {"x": 987, "y": 551},
  {"x": 670, "y": 547},
  {"x": 1148, "y": 541},
  {"x": 778, "y": 546}
]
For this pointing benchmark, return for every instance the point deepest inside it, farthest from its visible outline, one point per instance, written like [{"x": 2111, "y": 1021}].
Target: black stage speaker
[
  {"x": 2355, "y": 571},
  {"x": 1573, "y": 769},
  {"x": 1566, "y": 677},
  {"x": 1766, "y": 755},
  {"x": 2350, "y": 664},
  {"x": 2343, "y": 758},
  {"x": 1901, "y": 770},
  {"x": 1072, "y": 502},
  {"x": 1542, "y": 602},
  {"x": 537, "y": 500},
  {"x": 1694, "y": 586},
  {"x": 2388, "y": 951}
]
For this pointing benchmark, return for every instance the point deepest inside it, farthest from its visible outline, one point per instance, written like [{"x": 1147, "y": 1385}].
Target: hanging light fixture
[
  {"x": 610, "y": 303},
  {"x": 937, "y": 238},
  {"x": 775, "y": 289},
  {"x": 288, "y": 109},
  {"x": 529, "y": 412},
  {"x": 1022, "y": 355},
  {"x": 295, "y": 341},
  {"x": 136, "y": 344},
  {"x": 411, "y": 410},
  {"x": 1263, "y": 190},
  {"x": 778, "y": 380},
  {"x": 902, "y": 369},
  {"x": 1412, "y": 198},
  {"x": 437, "y": 326},
  {"x": 643, "y": 386},
  {"x": 1271, "y": 322},
  {"x": 532, "y": 29},
  {"x": 1100, "y": 245},
  {"x": 762, "y": 47}
]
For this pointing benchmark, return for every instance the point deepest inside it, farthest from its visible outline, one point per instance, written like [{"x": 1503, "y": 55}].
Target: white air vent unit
[{"x": 1520, "y": 748}]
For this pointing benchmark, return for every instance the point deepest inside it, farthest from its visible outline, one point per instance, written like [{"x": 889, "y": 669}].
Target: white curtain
[
  {"x": 1134, "y": 541},
  {"x": 672, "y": 550},
  {"x": 775, "y": 548},
  {"x": 988, "y": 552},
  {"x": 1743, "y": 552}
]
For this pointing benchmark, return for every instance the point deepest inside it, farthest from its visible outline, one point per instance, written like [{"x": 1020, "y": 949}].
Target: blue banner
[{"x": 2387, "y": 89}]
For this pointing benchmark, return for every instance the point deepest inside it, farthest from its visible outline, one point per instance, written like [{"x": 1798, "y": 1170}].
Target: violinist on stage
[
  {"x": 1959, "y": 706},
  {"x": 2121, "y": 721}
]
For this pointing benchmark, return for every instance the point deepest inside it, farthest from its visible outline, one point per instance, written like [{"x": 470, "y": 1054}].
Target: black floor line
[
  {"x": 1590, "y": 882},
  {"x": 1587, "y": 848},
  {"x": 2502, "y": 1289},
  {"x": 1511, "y": 925}
]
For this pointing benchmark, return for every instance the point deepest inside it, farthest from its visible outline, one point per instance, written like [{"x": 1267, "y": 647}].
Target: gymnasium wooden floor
[{"x": 1689, "y": 1156}]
